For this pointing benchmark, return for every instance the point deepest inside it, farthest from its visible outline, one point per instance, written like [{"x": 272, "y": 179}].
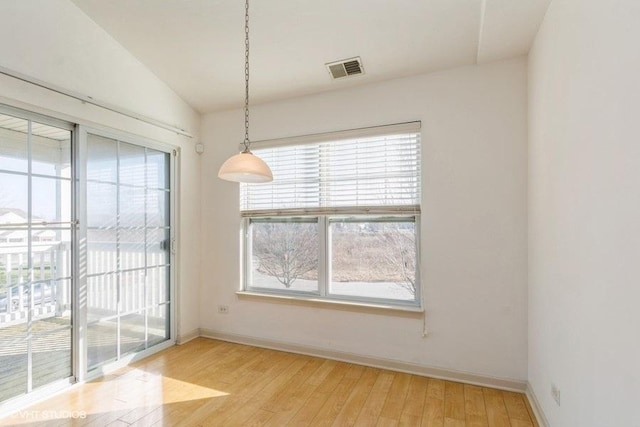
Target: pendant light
[{"x": 245, "y": 166}]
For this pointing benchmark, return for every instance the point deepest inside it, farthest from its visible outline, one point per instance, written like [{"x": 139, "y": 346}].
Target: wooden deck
[
  {"x": 51, "y": 361},
  {"x": 51, "y": 349},
  {"x": 213, "y": 383}
]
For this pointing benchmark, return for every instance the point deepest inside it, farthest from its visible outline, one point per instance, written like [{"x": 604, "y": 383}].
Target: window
[{"x": 341, "y": 219}]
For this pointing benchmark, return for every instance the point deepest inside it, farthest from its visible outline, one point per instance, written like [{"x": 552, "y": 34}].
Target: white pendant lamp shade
[{"x": 245, "y": 167}]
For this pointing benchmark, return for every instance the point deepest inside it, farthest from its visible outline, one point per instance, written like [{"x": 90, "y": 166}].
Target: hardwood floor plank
[
  {"x": 213, "y": 383},
  {"x": 174, "y": 414},
  {"x": 497, "y": 414},
  {"x": 323, "y": 372},
  {"x": 138, "y": 413},
  {"x": 259, "y": 418},
  {"x": 309, "y": 410},
  {"x": 282, "y": 399},
  {"x": 312, "y": 405},
  {"x": 333, "y": 379},
  {"x": 357, "y": 398},
  {"x": 238, "y": 393},
  {"x": 394, "y": 403},
  {"x": 373, "y": 405},
  {"x": 414, "y": 403},
  {"x": 454, "y": 401},
  {"x": 475, "y": 411},
  {"x": 118, "y": 423},
  {"x": 450, "y": 422},
  {"x": 334, "y": 404},
  {"x": 253, "y": 395},
  {"x": 386, "y": 422},
  {"x": 408, "y": 420},
  {"x": 433, "y": 415},
  {"x": 517, "y": 408},
  {"x": 355, "y": 371},
  {"x": 151, "y": 418},
  {"x": 235, "y": 366},
  {"x": 286, "y": 403},
  {"x": 337, "y": 399}
]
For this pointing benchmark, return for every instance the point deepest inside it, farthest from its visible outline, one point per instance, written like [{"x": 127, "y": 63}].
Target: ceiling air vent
[{"x": 345, "y": 68}]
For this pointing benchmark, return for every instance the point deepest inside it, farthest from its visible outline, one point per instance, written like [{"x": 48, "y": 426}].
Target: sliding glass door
[
  {"x": 128, "y": 235},
  {"x": 36, "y": 230},
  {"x": 85, "y": 252}
]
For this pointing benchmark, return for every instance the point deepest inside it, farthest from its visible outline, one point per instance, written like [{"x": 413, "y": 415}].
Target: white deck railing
[
  {"x": 48, "y": 297},
  {"x": 102, "y": 297},
  {"x": 40, "y": 292}
]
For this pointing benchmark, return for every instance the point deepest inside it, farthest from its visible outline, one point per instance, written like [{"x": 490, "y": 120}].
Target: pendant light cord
[{"x": 246, "y": 78}]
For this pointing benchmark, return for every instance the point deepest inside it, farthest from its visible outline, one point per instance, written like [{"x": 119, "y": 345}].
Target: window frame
[
  {"x": 324, "y": 261},
  {"x": 247, "y": 260}
]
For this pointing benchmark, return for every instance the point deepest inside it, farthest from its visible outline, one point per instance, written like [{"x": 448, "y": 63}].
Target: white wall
[
  {"x": 53, "y": 41},
  {"x": 584, "y": 213},
  {"x": 473, "y": 224}
]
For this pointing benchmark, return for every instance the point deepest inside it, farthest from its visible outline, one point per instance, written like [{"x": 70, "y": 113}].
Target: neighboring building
[{"x": 18, "y": 218}]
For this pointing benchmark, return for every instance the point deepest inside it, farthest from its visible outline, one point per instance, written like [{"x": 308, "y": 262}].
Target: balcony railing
[
  {"x": 45, "y": 289},
  {"x": 37, "y": 288}
]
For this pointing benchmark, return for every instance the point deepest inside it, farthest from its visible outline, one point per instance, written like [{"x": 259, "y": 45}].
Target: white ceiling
[{"x": 197, "y": 46}]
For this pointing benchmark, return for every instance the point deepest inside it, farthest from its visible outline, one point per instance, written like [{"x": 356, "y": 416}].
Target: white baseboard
[
  {"x": 535, "y": 405},
  {"x": 186, "y": 337},
  {"x": 376, "y": 362}
]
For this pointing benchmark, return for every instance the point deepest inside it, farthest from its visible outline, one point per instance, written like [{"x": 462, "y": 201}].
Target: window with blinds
[
  {"x": 340, "y": 220},
  {"x": 344, "y": 173}
]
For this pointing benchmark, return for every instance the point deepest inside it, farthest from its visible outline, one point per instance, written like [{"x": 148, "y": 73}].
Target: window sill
[{"x": 332, "y": 303}]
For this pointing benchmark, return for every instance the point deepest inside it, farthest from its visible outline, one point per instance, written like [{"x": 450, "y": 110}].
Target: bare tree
[
  {"x": 400, "y": 254},
  {"x": 286, "y": 251}
]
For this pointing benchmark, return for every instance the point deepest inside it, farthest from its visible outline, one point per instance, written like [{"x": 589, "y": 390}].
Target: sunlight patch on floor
[{"x": 137, "y": 391}]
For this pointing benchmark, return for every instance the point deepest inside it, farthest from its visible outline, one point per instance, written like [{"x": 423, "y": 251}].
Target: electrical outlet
[
  {"x": 223, "y": 309},
  {"x": 555, "y": 393}
]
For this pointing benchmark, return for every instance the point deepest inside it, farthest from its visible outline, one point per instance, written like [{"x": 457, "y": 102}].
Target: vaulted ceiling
[{"x": 197, "y": 46}]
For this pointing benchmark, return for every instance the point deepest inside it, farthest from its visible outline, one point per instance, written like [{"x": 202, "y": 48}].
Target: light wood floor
[{"x": 213, "y": 383}]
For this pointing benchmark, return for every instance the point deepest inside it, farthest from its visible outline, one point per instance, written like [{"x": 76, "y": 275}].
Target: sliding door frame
[
  {"x": 82, "y": 373},
  {"x": 78, "y": 212},
  {"x": 60, "y": 384}
]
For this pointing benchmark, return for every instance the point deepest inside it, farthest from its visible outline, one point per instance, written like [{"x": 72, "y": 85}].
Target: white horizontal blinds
[
  {"x": 296, "y": 183},
  {"x": 356, "y": 174},
  {"x": 371, "y": 172}
]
